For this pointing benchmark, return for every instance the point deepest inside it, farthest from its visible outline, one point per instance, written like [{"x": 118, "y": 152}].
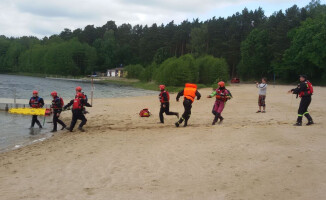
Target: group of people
[
  {"x": 304, "y": 90},
  {"x": 78, "y": 109},
  {"x": 190, "y": 93}
]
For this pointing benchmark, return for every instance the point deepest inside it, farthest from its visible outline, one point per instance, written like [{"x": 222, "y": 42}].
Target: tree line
[{"x": 247, "y": 44}]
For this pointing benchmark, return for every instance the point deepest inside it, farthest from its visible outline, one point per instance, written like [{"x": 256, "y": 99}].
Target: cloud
[{"x": 46, "y": 17}]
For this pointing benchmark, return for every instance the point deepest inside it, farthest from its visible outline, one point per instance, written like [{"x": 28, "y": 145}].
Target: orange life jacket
[{"x": 190, "y": 91}]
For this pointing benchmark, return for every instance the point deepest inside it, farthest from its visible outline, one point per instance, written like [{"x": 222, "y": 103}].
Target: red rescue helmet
[
  {"x": 78, "y": 89},
  {"x": 221, "y": 84},
  {"x": 162, "y": 87},
  {"x": 35, "y": 92},
  {"x": 54, "y": 93},
  {"x": 80, "y": 95}
]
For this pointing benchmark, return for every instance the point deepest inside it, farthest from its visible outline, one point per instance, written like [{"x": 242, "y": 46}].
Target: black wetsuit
[
  {"x": 187, "y": 104},
  {"x": 77, "y": 114},
  {"x": 165, "y": 107},
  {"x": 39, "y": 104},
  {"x": 57, "y": 109},
  {"x": 304, "y": 103}
]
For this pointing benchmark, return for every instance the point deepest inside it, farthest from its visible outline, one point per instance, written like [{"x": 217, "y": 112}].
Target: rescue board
[{"x": 30, "y": 111}]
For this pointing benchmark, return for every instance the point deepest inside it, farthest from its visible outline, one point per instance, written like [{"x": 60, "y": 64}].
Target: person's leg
[
  {"x": 185, "y": 113},
  {"x": 38, "y": 122},
  {"x": 301, "y": 110},
  {"x": 306, "y": 113},
  {"x": 73, "y": 122},
  {"x": 188, "y": 114},
  {"x": 167, "y": 110},
  {"x": 220, "y": 110},
  {"x": 162, "y": 110},
  {"x": 33, "y": 121},
  {"x": 263, "y": 104},
  {"x": 83, "y": 122},
  {"x": 259, "y": 104},
  {"x": 55, "y": 118}
]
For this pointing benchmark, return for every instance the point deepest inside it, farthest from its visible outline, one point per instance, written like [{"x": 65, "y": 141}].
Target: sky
[{"x": 47, "y": 17}]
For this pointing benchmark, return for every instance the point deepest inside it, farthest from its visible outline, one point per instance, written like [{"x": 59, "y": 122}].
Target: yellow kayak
[{"x": 30, "y": 111}]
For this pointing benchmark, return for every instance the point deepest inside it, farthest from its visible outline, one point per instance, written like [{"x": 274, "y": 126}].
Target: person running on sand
[
  {"x": 262, "y": 94},
  {"x": 78, "y": 105},
  {"x": 164, "y": 98},
  {"x": 189, "y": 92},
  {"x": 57, "y": 104},
  {"x": 222, "y": 96}
]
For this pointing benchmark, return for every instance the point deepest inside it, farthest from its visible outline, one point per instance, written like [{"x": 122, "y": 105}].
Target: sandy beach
[{"x": 122, "y": 156}]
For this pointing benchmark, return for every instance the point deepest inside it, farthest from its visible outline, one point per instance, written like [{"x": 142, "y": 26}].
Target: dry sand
[{"x": 123, "y": 156}]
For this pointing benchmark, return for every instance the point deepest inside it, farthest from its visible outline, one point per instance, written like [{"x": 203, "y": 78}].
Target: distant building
[{"x": 116, "y": 72}]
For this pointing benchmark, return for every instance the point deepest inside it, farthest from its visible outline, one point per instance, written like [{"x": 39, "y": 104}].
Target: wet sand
[{"x": 123, "y": 156}]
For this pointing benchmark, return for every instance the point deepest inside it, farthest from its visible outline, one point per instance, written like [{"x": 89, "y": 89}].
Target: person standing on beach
[
  {"x": 36, "y": 102},
  {"x": 189, "y": 92},
  {"x": 222, "y": 96},
  {"x": 78, "y": 105},
  {"x": 304, "y": 91},
  {"x": 262, "y": 94},
  {"x": 164, "y": 98},
  {"x": 57, "y": 104}
]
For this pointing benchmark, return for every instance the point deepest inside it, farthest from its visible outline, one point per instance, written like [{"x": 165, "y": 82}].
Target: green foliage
[
  {"x": 134, "y": 71},
  {"x": 212, "y": 69},
  {"x": 255, "y": 55},
  {"x": 177, "y": 71},
  {"x": 307, "y": 53}
]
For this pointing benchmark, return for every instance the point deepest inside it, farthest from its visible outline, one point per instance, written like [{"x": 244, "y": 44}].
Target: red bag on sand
[{"x": 144, "y": 113}]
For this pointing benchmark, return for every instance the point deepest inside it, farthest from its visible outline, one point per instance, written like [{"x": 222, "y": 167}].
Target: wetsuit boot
[
  {"x": 217, "y": 116},
  {"x": 221, "y": 119},
  {"x": 310, "y": 121},
  {"x": 299, "y": 121},
  {"x": 177, "y": 124}
]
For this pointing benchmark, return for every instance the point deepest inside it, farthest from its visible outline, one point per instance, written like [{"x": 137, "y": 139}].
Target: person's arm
[
  {"x": 212, "y": 94},
  {"x": 179, "y": 95},
  {"x": 30, "y": 104},
  {"x": 84, "y": 102},
  {"x": 198, "y": 95},
  {"x": 41, "y": 102},
  {"x": 301, "y": 87},
  {"x": 262, "y": 86},
  {"x": 68, "y": 105}
]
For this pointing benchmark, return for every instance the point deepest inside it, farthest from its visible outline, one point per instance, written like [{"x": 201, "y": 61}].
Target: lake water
[{"x": 14, "y": 129}]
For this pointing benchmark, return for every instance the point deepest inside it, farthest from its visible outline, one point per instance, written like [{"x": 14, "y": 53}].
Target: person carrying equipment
[
  {"x": 222, "y": 96},
  {"x": 79, "y": 90},
  {"x": 57, "y": 104},
  {"x": 36, "y": 102},
  {"x": 304, "y": 91},
  {"x": 262, "y": 94},
  {"x": 77, "y": 111},
  {"x": 164, "y": 98},
  {"x": 189, "y": 92}
]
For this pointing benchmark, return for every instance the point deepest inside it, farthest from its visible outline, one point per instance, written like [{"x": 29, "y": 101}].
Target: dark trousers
[
  {"x": 77, "y": 116},
  {"x": 56, "y": 120},
  {"x": 187, "y": 104},
  {"x": 35, "y": 120},
  {"x": 303, "y": 108},
  {"x": 165, "y": 110}
]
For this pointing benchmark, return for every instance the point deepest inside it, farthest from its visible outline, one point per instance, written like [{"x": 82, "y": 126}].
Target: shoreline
[{"x": 123, "y": 156}]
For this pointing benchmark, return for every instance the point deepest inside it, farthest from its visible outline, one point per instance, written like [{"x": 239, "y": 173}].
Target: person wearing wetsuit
[
  {"x": 78, "y": 105},
  {"x": 56, "y": 107},
  {"x": 304, "y": 91},
  {"x": 222, "y": 96},
  {"x": 189, "y": 92},
  {"x": 36, "y": 102},
  {"x": 164, "y": 98}
]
